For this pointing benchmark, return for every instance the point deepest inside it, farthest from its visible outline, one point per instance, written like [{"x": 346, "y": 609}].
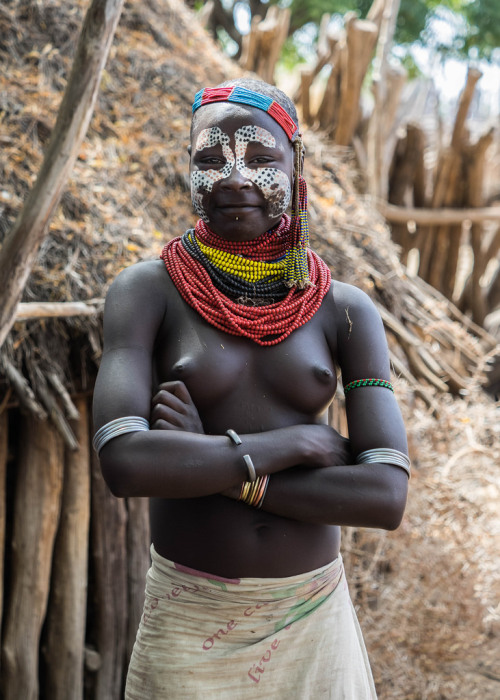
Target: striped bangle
[
  {"x": 385, "y": 455},
  {"x": 234, "y": 437},
  {"x": 368, "y": 382},
  {"x": 119, "y": 426},
  {"x": 253, "y": 492}
]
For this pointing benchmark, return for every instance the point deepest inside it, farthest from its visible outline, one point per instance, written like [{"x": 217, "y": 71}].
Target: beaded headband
[
  {"x": 297, "y": 273},
  {"x": 247, "y": 97}
]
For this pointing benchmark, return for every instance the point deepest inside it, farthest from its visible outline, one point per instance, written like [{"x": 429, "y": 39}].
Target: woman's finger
[
  {"x": 177, "y": 388},
  {"x": 166, "y": 398},
  {"x": 168, "y": 414},
  {"x": 162, "y": 425}
]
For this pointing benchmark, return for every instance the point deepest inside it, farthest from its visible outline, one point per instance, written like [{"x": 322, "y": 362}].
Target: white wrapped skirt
[{"x": 203, "y": 636}]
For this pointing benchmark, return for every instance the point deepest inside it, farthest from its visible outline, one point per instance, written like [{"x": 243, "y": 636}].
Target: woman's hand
[
  {"x": 173, "y": 409},
  {"x": 325, "y": 447}
]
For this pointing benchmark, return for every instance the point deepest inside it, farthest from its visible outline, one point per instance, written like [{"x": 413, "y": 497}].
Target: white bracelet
[
  {"x": 385, "y": 455},
  {"x": 119, "y": 426},
  {"x": 235, "y": 438},
  {"x": 252, "y": 474}
]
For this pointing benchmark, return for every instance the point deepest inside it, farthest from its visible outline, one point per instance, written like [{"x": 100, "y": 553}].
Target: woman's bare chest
[{"x": 232, "y": 375}]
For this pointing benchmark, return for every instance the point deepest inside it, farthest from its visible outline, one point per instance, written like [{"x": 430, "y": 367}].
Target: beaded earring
[{"x": 297, "y": 272}]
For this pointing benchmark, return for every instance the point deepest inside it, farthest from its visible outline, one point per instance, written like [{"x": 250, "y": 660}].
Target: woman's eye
[
  {"x": 261, "y": 160},
  {"x": 212, "y": 160}
]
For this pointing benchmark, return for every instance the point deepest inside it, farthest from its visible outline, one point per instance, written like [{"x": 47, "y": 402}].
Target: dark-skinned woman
[{"x": 219, "y": 364}]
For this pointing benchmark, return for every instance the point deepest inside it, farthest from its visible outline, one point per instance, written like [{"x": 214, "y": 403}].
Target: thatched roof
[
  {"x": 129, "y": 189},
  {"x": 129, "y": 192}
]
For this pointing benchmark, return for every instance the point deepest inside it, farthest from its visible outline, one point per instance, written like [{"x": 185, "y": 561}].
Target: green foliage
[
  {"x": 291, "y": 56},
  {"x": 476, "y": 23},
  {"x": 410, "y": 66},
  {"x": 483, "y": 18}
]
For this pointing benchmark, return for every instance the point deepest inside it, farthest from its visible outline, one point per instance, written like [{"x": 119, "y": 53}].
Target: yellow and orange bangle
[{"x": 253, "y": 492}]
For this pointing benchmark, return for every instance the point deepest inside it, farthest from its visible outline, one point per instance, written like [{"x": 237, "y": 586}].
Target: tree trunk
[
  {"x": 109, "y": 600},
  {"x": 36, "y": 515},
  {"x": 66, "y": 618},
  {"x": 21, "y": 245}
]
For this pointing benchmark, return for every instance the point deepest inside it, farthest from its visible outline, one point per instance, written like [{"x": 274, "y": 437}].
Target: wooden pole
[
  {"x": 109, "y": 587},
  {"x": 475, "y": 158},
  {"x": 21, "y": 245},
  {"x": 429, "y": 217},
  {"x": 306, "y": 78},
  {"x": 435, "y": 248},
  {"x": 473, "y": 75},
  {"x": 376, "y": 129},
  {"x": 4, "y": 443},
  {"x": 27, "y": 311},
  {"x": 39, "y": 481},
  {"x": 360, "y": 43},
  {"x": 407, "y": 163},
  {"x": 328, "y": 109},
  {"x": 64, "y": 644}
]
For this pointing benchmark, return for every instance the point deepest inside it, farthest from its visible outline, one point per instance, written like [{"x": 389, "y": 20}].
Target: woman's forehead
[{"x": 229, "y": 117}]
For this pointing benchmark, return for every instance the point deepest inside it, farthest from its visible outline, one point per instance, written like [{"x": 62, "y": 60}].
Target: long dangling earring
[
  {"x": 297, "y": 171},
  {"x": 297, "y": 273}
]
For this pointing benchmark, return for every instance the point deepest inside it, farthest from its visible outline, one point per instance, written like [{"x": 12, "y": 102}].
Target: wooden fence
[{"x": 73, "y": 559}]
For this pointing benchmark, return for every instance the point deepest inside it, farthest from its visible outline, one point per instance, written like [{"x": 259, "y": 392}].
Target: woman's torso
[{"x": 236, "y": 383}]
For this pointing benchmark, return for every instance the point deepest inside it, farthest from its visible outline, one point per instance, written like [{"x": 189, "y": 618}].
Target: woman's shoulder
[
  {"x": 358, "y": 318},
  {"x": 142, "y": 278},
  {"x": 344, "y": 294}
]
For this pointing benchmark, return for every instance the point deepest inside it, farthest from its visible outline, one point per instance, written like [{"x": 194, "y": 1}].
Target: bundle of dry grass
[{"x": 427, "y": 594}]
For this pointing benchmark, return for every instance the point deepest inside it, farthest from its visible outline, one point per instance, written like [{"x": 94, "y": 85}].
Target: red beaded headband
[{"x": 251, "y": 98}]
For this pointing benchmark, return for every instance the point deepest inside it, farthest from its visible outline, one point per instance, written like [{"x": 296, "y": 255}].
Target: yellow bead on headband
[{"x": 297, "y": 270}]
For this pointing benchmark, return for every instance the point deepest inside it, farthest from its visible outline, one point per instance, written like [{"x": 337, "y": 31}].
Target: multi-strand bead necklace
[
  {"x": 221, "y": 290},
  {"x": 252, "y": 280}
]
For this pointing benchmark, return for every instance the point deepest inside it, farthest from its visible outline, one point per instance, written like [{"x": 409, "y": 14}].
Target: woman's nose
[{"x": 236, "y": 180}]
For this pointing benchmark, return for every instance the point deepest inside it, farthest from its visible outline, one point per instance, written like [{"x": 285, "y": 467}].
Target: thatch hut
[{"x": 73, "y": 557}]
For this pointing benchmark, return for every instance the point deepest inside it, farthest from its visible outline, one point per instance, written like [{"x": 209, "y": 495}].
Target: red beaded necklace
[{"x": 265, "y": 325}]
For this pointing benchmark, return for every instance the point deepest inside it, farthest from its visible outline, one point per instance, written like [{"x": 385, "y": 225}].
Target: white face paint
[
  {"x": 274, "y": 183},
  {"x": 202, "y": 181}
]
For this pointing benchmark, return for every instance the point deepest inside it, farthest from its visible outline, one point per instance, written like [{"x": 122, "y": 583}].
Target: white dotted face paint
[
  {"x": 273, "y": 183},
  {"x": 202, "y": 181}
]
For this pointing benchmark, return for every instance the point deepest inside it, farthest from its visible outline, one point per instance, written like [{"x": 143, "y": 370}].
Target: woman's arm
[
  {"x": 365, "y": 495},
  {"x": 184, "y": 462}
]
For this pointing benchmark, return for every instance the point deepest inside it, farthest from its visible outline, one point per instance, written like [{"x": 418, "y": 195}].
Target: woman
[{"x": 238, "y": 332}]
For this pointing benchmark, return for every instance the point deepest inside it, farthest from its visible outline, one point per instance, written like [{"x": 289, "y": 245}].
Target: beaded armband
[{"x": 357, "y": 383}]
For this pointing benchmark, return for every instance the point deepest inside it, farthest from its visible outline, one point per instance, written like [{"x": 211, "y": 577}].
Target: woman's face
[{"x": 241, "y": 170}]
